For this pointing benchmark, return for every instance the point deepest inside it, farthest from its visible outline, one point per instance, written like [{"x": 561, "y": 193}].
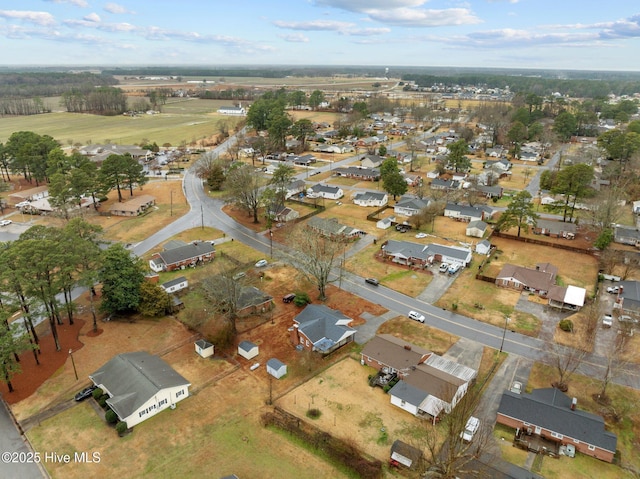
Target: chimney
[
  {"x": 407, "y": 347},
  {"x": 574, "y": 401}
]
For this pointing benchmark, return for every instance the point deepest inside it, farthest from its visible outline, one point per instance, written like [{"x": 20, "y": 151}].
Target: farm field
[{"x": 190, "y": 120}]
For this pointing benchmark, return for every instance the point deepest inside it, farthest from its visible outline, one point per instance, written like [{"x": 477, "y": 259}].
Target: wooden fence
[{"x": 575, "y": 249}]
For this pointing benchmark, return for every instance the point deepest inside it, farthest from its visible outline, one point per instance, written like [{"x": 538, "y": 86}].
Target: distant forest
[{"x": 46, "y": 84}]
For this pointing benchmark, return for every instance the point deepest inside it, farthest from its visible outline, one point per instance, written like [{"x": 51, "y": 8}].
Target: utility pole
[
  {"x": 75, "y": 371},
  {"x": 201, "y": 217}
]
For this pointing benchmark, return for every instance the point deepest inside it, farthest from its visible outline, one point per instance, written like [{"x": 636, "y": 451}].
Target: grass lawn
[
  {"x": 624, "y": 400},
  {"x": 431, "y": 339}
]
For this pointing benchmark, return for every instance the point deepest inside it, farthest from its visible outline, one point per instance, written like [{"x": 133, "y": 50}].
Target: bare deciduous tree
[{"x": 566, "y": 361}]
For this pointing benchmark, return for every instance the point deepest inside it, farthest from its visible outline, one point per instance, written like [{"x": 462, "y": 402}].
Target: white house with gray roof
[
  {"x": 467, "y": 213},
  {"x": 139, "y": 386},
  {"x": 409, "y": 205},
  {"x": 371, "y": 198},
  {"x": 406, "y": 252},
  {"x": 325, "y": 191}
]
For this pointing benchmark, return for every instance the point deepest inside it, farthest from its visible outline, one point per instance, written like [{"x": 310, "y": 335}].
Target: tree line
[
  {"x": 101, "y": 100},
  {"x": 40, "y": 84}
]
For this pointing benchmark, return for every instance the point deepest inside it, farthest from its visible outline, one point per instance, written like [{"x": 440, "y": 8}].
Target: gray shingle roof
[
  {"x": 184, "y": 253},
  {"x": 412, "y": 202},
  {"x": 133, "y": 378},
  {"x": 550, "y": 409},
  {"x": 408, "y": 393},
  {"x": 322, "y": 326},
  {"x": 246, "y": 346},
  {"x": 173, "y": 282},
  {"x": 369, "y": 195}
]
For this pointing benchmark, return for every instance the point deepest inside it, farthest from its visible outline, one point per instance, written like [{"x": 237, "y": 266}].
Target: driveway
[
  {"x": 438, "y": 285},
  {"x": 13, "y": 443}
]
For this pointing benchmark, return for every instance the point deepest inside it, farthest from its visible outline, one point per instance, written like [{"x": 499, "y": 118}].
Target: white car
[
  {"x": 417, "y": 316},
  {"x": 470, "y": 429},
  {"x": 5, "y": 222},
  {"x": 516, "y": 387},
  {"x": 613, "y": 289},
  {"x": 607, "y": 321},
  {"x": 261, "y": 263},
  {"x": 421, "y": 235},
  {"x": 444, "y": 267}
]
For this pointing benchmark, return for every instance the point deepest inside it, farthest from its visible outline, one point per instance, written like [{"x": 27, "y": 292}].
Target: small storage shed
[
  {"x": 204, "y": 348},
  {"x": 483, "y": 247},
  {"x": 403, "y": 453},
  {"x": 247, "y": 349},
  {"x": 276, "y": 368}
]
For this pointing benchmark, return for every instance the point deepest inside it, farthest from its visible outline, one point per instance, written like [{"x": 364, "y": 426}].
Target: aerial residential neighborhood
[{"x": 316, "y": 272}]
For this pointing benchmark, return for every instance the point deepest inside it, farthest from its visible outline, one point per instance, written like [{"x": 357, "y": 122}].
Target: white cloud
[
  {"x": 116, "y": 8},
  {"x": 92, "y": 17},
  {"x": 424, "y": 17},
  {"x": 39, "y": 18},
  {"x": 367, "y": 5},
  {"x": 77, "y": 3},
  {"x": 314, "y": 25},
  {"x": 294, "y": 38}
]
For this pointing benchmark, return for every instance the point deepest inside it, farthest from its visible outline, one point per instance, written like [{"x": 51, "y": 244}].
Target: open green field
[{"x": 187, "y": 120}]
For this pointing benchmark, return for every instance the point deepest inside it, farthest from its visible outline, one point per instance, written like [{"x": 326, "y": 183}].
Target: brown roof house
[
  {"x": 538, "y": 280},
  {"x": 251, "y": 301},
  {"x": 31, "y": 194},
  {"x": 428, "y": 384},
  {"x": 182, "y": 256},
  {"x": 134, "y": 207}
]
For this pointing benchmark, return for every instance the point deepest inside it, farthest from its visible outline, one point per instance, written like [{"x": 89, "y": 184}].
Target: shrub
[
  {"x": 301, "y": 299},
  {"x": 97, "y": 393},
  {"x": 103, "y": 401},
  {"x": 110, "y": 416},
  {"x": 121, "y": 428},
  {"x": 566, "y": 325},
  {"x": 314, "y": 413}
]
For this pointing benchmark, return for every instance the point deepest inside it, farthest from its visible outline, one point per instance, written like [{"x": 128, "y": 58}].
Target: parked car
[
  {"x": 261, "y": 263},
  {"x": 607, "y": 321},
  {"x": 444, "y": 267},
  {"x": 417, "y": 316},
  {"x": 613, "y": 289},
  {"x": 372, "y": 281},
  {"x": 421, "y": 235},
  {"x": 454, "y": 268},
  {"x": 85, "y": 393},
  {"x": 516, "y": 387},
  {"x": 403, "y": 228},
  {"x": 288, "y": 298},
  {"x": 5, "y": 222},
  {"x": 627, "y": 319},
  {"x": 473, "y": 424}
]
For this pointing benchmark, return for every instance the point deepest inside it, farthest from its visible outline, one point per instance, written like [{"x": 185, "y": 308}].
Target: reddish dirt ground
[{"x": 33, "y": 375}]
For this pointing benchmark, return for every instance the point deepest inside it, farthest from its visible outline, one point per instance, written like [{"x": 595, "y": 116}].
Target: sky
[{"x": 560, "y": 34}]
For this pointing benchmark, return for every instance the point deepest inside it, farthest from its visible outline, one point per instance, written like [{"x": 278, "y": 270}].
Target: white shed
[
  {"x": 204, "y": 348},
  {"x": 276, "y": 368},
  {"x": 483, "y": 247},
  {"x": 385, "y": 223},
  {"x": 247, "y": 349}
]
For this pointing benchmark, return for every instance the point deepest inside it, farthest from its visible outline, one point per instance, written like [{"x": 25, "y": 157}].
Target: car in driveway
[
  {"x": 421, "y": 235},
  {"x": 607, "y": 321},
  {"x": 416, "y": 316},
  {"x": 372, "y": 281},
  {"x": 454, "y": 268},
  {"x": 85, "y": 393},
  {"x": 613, "y": 289},
  {"x": 261, "y": 263},
  {"x": 473, "y": 424},
  {"x": 5, "y": 222},
  {"x": 516, "y": 387},
  {"x": 444, "y": 267}
]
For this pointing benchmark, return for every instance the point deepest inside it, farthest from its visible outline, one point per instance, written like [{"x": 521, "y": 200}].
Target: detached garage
[
  {"x": 276, "y": 368},
  {"x": 403, "y": 453}
]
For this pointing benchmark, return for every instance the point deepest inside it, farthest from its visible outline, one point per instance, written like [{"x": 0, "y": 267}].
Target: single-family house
[
  {"x": 134, "y": 207},
  {"x": 385, "y": 223},
  {"x": 409, "y": 205},
  {"x": 175, "y": 285},
  {"x": 477, "y": 228},
  {"x": 538, "y": 280},
  {"x": 412, "y": 179},
  {"x": 408, "y": 253},
  {"x": 99, "y": 153},
  {"x": 487, "y": 191},
  {"x": 371, "y": 161},
  {"x": 502, "y": 164},
  {"x": 247, "y": 349},
  {"x": 367, "y": 142},
  {"x": 626, "y": 235},
  {"x": 628, "y": 298},
  {"x": 528, "y": 155},
  {"x": 192, "y": 255},
  {"x": 284, "y": 214},
  {"x": 405, "y": 454},
  {"x": 442, "y": 184},
  {"x": 555, "y": 229},
  {"x": 467, "y": 213},
  {"x": 552, "y": 415},
  {"x": 371, "y": 198},
  {"x": 251, "y": 301},
  {"x": 232, "y": 110},
  {"x": 295, "y": 188},
  {"x": 30, "y": 194},
  {"x": 483, "y": 247},
  {"x": 304, "y": 160},
  {"x": 325, "y": 191},
  {"x": 321, "y": 329},
  {"x": 139, "y": 386},
  {"x": 204, "y": 348},
  {"x": 390, "y": 354},
  {"x": 276, "y": 368},
  {"x": 358, "y": 173},
  {"x": 495, "y": 152},
  {"x": 566, "y": 297},
  {"x": 330, "y": 228}
]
